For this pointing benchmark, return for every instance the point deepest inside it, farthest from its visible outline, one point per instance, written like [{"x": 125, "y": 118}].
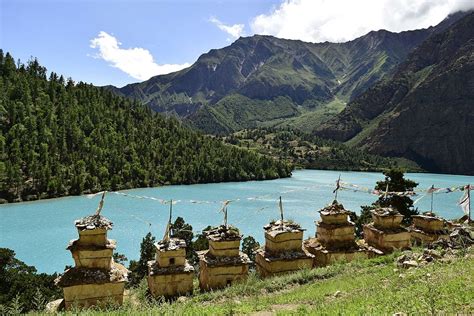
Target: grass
[
  {"x": 307, "y": 121},
  {"x": 374, "y": 287}
]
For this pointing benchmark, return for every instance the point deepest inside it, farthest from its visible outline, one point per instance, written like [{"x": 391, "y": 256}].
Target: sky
[{"x": 124, "y": 41}]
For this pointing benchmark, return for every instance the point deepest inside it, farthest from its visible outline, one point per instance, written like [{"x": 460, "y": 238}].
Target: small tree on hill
[
  {"x": 139, "y": 269},
  {"x": 395, "y": 182},
  {"x": 183, "y": 230},
  {"x": 201, "y": 243},
  {"x": 249, "y": 245}
]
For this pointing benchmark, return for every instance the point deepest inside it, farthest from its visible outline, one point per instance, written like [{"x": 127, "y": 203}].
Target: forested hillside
[
  {"x": 307, "y": 151},
  {"x": 59, "y": 138}
]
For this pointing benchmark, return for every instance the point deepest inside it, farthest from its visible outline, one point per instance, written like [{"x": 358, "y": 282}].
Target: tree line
[{"x": 58, "y": 137}]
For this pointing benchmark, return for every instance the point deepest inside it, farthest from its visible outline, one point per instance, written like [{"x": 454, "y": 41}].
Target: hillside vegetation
[
  {"x": 311, "y": 152},
  {"x": 59, "y": 138}
]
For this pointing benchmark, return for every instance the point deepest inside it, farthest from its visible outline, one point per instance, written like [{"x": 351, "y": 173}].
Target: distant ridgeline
[
  {"x": 260, "y": 81},
  {"x": 59, "y": 138}
]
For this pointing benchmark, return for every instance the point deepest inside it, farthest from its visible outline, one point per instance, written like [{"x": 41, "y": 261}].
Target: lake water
[{"x": 39, "y": 231}]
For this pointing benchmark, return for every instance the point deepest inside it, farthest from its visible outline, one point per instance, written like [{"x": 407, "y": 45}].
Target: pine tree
[
  {"x": 394, "y": 182},
  {"x": 139, "y": 269}
]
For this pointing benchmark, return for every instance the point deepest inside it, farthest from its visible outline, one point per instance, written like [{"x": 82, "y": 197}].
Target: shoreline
[{"x": 6, "y": 202}]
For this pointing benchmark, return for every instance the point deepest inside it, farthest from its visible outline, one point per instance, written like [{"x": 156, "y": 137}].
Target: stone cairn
[
  {"x": 335, "y": 237},
  {"x": 428, "y": 228},
  {"x": 385, "y": 232},
  {"x": 170, "y": 274},
  {"x": 96, "y": 279},
  {"x": 223, "y": 263},
  {"x": 283, "y": 251}
]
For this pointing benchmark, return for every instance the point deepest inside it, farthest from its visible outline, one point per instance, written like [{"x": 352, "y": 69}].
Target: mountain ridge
[
  {"x": 263, "y": 67},
  {"x": 424, "y": 112},
  {"x": 264, "y": 81}
]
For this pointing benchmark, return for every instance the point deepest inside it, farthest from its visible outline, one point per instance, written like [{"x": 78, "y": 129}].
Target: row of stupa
[{"x": 96, "y": 278}]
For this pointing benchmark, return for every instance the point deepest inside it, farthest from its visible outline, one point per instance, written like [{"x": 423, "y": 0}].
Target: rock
[
  {"x": 31, "y": 197},
  {"x": 182, "y": 299},
  {"x": 55, "y": 306},
  {"x": 402, "y": 258},
  {"x": 410, "y": 264},
  {"x": 433, "y": 253}
]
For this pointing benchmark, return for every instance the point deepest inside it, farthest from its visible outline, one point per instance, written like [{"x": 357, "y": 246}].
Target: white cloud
[
  {"x": 342, "y": 20},
  {"x": 235, "y": 30},
  {"x": 136, "y": 62}
]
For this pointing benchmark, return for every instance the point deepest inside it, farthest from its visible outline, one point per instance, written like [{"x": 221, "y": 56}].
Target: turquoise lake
[{"x": 39, "y": 231}]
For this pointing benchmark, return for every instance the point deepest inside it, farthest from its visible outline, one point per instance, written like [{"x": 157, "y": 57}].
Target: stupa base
[
  {"x": 324, "y": 257},
  {"x": 219, "y": 272},
  {"x": 86, "y": 295},
  {"x": 268, "y": 264},
  {"x": 170, "y": 281},
  {"x": 387, "y": 240},
  {"x": 84, "y": 287},
  {"x": 420, "y": 237}
]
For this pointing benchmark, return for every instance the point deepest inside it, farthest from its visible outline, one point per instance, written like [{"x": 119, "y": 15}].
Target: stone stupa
[
  {"x": 335, "y": 237},
  {"x": 428, "y": 228},
  {"x": 170, "y": 274},
  {"x": 95, "y": 279},
  {"x": 385, "y": 233},
  {"x": 283, "y": 251},
  {"x": 223, "y": 263}
]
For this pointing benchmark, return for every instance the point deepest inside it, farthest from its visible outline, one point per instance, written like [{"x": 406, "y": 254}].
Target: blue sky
[
  {"x": 80, "y": 39},
  {"x": 59, "y": 32}
]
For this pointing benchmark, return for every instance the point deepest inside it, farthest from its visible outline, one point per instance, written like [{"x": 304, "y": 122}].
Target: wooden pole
[
  {"x": 171, "y": 216},
  {"x": 469, "y": 202},
  {"x": 167, "y": 235},
  {"x": 225, "y": 216},
  {"x": 281, "y": 210},
  {"x": 337, "y": 187},
  {"x": 101, "y": 204},
  {"x": 432, "y": 196}
]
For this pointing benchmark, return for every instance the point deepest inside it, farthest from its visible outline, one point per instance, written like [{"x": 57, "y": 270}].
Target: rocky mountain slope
[
  {"x": 425, "y": 112},
  {"x": 263, "y": 79}
]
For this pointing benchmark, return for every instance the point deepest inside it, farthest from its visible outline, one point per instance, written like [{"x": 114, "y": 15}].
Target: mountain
[
  {"x": 263, "y": 80},
  {"x": 425, "y": 111},
  {"x": 60, "y": 138}
]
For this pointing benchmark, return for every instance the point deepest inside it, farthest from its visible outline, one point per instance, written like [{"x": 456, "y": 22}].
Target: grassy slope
[
  {"x": 307, "y": 121},
  {"x": 372, "y": 286}
]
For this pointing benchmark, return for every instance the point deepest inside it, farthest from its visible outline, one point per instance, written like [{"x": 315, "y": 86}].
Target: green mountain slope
[
  {"x": 253, "y": 74},
  {"x": 425, "y": 112},
  {"x": 59, "y": 138},
  {"x": 310, "y": 152}
]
